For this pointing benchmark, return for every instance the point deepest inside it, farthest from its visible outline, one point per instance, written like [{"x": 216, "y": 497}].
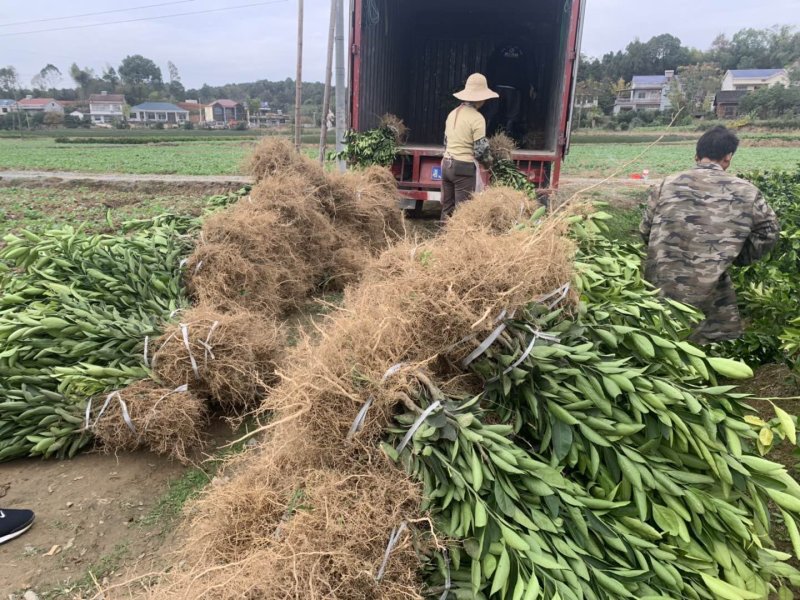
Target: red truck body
[{"x": 409, "y": 56}]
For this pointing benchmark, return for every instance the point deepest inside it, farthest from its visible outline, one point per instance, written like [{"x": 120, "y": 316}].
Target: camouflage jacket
[{"x": 697, "y": 225}]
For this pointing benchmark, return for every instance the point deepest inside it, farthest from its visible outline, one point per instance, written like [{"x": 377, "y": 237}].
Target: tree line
[
  {"x": 141, "y": 79},
  {"x": 700, "y": 71}
]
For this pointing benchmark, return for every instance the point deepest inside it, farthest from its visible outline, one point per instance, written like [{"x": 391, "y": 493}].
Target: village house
[
  {"x": 223, "y": 112},
  {"x": 646, "y": 92},
  {"x": 195, "y": 109},
  {"x": 266, "y": 117},
  {"x": 7, "y": 106},
  {"x": 30, "y": 104},
  {"x": 753, "y": 79},
  {"x": 738, "y": 83},
  {"x": 151, "y": 113},
  {"x": 106, "y": 109}
]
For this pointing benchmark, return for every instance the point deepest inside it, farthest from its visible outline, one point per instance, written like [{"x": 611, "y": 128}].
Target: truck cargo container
[{"x": 409, "y": 56}]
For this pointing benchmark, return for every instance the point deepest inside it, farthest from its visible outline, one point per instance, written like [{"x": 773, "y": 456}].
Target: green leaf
[
  {"x": 726, "y": 590},
  {"x": 501, "y": 573},
  {"x": 787, "y": 424}
]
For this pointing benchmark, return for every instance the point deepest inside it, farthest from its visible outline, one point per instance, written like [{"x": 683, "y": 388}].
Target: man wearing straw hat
[{"x": 465, "y": 144}]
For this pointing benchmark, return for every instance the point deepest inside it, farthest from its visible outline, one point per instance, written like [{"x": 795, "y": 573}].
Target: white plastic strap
[
  {"x": 361, "y": 417},
  {"x": 448, "y": 581},
  {"x": 185, "y": 334},
  {"x": 197, "y": 267},
  {"x": 484, "y": 346},
  {"x": 208, "y": 351},
  {"x": 427, "y": 413},
  {"x": 393, "y": 540},
  {"x": 123, "y": 406},
  {"x": 146, "y": 346}
]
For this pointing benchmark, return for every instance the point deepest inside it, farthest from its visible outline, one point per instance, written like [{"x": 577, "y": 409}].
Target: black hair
[{"x": 717, "y": 143}]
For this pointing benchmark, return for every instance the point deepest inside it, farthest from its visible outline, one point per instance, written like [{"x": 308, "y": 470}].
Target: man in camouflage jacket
[{"x": 700, "y": 223}]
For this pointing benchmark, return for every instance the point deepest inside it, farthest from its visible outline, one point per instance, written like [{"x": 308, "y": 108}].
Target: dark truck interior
[{"x": 416, "y": 53}]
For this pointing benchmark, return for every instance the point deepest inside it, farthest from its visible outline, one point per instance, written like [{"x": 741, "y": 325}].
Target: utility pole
[
  {"x": 341, "y": 117},
  {"x": 326, "y": 102},
  {"x": 298, "y": 95}
]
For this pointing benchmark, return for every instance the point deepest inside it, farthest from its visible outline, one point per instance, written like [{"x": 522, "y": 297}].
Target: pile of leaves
[
  {"x": 769, "y": 289},
  {"x": 602, "y": 460},
  {"x": 375, "y": 147}
]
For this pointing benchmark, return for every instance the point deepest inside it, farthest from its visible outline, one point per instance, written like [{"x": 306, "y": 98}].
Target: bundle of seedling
[
  {"x": 75, "y": 316},
  {"x": 377, "y": 146},
  {"x": 504, "y": 170},
  {"x": 562, "y": 438},
  {"x": 602, "y": 459}
]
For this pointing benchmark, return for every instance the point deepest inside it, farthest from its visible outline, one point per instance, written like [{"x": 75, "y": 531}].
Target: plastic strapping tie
[
  {"x": 520, "y": 360},
  {"x": 361, "y": 417},
  {"x": 484, "y": 346},
  {"x": 427, "y": 413},
  {"x": 146, "y": 346},
  {"x": 123, "y": 406},
  {"x": 185, "y": 334},
  {"x": 208, "y": 340},
  {"x": 499, "y": 318},
  {"x": 197, "y": 267},
  {"x": 125, "y": 416},
  {"x": 183, "y": 263},
  {"x": 393, "y": 540},
  {"x": 448, "y": 581}
]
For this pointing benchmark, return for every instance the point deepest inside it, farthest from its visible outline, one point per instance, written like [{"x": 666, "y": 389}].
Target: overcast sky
[{"x": 258, "y": 42}]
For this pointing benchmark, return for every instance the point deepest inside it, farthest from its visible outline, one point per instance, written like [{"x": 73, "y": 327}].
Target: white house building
[
  {"x": 150, "y": 113},
  {"x": 106, "y": 108},
  {"x": 754, "y": 79},
  {"x": 32, "y": 105},
  {"x": 646, "y": 92},
  {"x": 7, "y": 106}
]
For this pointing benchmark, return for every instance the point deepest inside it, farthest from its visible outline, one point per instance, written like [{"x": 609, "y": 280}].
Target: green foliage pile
[
  {"x": 374, "y": 147},
  {"x": 769, "y": 289},
  {"x": 505, "y": 173},
  {"x": 602, "y": 460},
  {"x": 76, "y": 313}
]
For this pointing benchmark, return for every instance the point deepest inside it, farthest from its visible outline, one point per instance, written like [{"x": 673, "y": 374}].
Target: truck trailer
[{"x": 408, "y": 57}]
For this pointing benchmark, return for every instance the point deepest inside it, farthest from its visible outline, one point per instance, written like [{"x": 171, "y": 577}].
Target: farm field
[
  {"x": 226, "y": 154},
  {"x": 40, "y": 208},
  {"x": 601, "y": 160}
]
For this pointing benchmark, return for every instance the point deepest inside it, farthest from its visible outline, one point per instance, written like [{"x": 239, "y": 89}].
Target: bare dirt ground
[{"x": 92, "y": 513}]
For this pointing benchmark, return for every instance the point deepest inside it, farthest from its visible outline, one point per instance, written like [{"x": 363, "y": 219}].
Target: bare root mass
[
  {"x": 308, "y": 514},
  {"x": 300, "y": 230},
  {"x": 165, "y": 421},
  {"x": 230, "y": 358}
]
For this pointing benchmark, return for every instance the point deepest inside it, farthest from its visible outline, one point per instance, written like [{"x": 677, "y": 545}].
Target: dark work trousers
[{"x": 458, "y": 184}]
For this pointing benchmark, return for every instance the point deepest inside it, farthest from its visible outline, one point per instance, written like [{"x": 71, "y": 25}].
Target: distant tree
[
  {"x": 140, "y": 76},
  {"x": 9, "y": 81},
  {"x": 53, "y": 118},
  {"x": 176, "y": 90},
  {"x": 772, "y": 103},
  {"x": 82, "y": 77},
  {"x": 111, "y": 78},
  {"x": 696, "y": 87},
  {"x": 47, "y": 79}
]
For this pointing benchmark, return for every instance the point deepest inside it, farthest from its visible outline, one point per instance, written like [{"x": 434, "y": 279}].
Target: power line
[
  {"x": 93, "y": 14},
  {"x": 185, "y": 14}
]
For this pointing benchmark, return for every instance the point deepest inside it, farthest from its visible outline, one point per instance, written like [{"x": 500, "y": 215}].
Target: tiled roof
[
  {"x": 36, "y": 101},
  {"x": 756, "y": 73},
  {"x": 226, "y": 103},
  {"x": 107, "y": 98},
  {"x": 158, "y": 106},
  {"x": 649, "y": 80},
  {"x": 7, "y": 102}
]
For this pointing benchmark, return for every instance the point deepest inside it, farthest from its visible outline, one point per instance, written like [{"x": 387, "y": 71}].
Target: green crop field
[
  {"x": 602, "y": 160},
  {"x": 42, "y": 208}
]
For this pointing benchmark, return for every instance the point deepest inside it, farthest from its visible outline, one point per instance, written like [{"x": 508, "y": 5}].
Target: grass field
[
  {"x": 223, "y": 153},
  {"x": 602, "y": 160}
]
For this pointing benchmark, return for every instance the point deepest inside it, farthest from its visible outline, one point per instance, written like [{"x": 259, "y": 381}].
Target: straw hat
[{"x": 476, "y": 90}]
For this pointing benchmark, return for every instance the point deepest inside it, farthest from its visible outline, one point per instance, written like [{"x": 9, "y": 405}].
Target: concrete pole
[
  {"x": 326, "y": 102},
  {"x": 341, "y": 100},
  {"x": 298, "y": 96}
]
